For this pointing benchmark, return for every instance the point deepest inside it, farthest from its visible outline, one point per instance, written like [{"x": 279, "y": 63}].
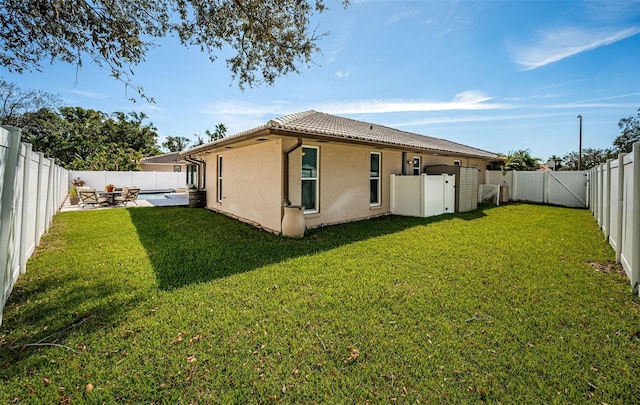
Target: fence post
[
  {"x": 10, "y": 167},
  {"x": 635, "y": 211},
  {"x": 546, "y": 187},
  {"x": 25, "y": 207},
  {"x": 51, "y": 189},
  {"x": 39, "y": 202},
  {"x": 620, "y": 207},
  {"x": 392, "y": 191},
  {"x": 606, "y": 201}
]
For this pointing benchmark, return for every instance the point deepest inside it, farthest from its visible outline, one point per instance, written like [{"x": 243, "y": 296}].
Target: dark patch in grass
[{"x": 188, "y": 246}]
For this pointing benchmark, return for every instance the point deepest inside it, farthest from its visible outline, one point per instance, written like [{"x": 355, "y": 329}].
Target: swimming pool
[{"x": 159, "y": 196}]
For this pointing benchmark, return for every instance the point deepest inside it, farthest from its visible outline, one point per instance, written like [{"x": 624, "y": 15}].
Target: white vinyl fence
[
  {"x": 615, "y": 196},
  {"x": 568, "y": 189},
  {"x": 33, "y": 189},
  {"x": 424, "y": 195},
  {"x": 146, "y": 181}
]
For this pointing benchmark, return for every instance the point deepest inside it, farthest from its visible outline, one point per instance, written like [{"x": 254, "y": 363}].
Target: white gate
[
  {"x": 567, "y": 189},
  {"x": 423, "y": 196}
]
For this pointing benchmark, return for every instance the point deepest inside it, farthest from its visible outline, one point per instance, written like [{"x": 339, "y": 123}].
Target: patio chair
[
  {"x": 90, "y": 197},
  {"x": 128, "y": 195}
]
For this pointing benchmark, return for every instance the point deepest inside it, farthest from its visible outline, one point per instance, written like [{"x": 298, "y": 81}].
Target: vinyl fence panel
[
  {"x": 32, "y": 189},
  {"x": 146, "y": 181},
  {"x": 529, "y": 186},
  {"x": 615, "y": 190}
]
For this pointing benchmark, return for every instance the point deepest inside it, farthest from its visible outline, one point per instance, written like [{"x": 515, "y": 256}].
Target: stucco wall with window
[
  {"x": 344, "y": 182},
  {"x": 251, "y": 183}
]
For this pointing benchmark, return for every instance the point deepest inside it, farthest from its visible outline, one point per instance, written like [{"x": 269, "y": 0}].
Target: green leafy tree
[
  {"x": 176, "y": 143},
  {"x": 112, "y": 157},
  {"x": 520, "y": 160},
  {"x": 219, "y": 133},
  {"x": 270, "y": 37},
  {"x": 590, "y": 158},
  {"x": 630, "y": 128}
]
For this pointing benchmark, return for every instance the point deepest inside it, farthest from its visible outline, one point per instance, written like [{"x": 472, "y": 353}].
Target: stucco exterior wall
[
  {"x": 344, "y": 182},
  {"x": 251, "y": 183},
  {"x": 254, "y": 192}
]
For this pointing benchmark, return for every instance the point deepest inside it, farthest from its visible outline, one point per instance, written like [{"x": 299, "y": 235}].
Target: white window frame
[
  {"x": 316, "y": 208},
  {"x": 418, "y": 169},
  {"x": 219, "y": 182},
  {"x": 378, "y": 178}
]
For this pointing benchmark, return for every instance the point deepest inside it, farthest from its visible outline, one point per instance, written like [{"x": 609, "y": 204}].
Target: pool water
[{"x": 158, "y": 196}]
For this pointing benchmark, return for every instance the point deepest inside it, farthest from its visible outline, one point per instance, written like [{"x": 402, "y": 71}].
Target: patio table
[{"x": 110, "y": 195}]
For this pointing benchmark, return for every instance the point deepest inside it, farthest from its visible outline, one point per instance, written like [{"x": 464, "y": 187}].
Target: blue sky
[{"x": 497, "y": 75}]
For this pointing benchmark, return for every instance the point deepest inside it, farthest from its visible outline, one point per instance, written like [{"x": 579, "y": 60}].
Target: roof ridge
[{"x": 285, "y": 119}]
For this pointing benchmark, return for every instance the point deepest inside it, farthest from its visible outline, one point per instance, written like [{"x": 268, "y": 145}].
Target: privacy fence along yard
[
  {"x": 32, "y": 188},
  {"x": 615, "y": 203},
  {"x": 146, "y": 181},
  {"x": 565, "y": 188}
]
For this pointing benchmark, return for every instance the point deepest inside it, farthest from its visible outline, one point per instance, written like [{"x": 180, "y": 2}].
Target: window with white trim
[
  {"x": 192, "y": 174},
  {"x": 416, "y": 165},
  {"x": 310, "y": 178},
  {"x": 219, "y": 195},
  {"x": 374, "y": 178}
]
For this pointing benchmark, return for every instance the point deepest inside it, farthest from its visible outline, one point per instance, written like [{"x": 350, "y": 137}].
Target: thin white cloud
[
  {"x": 609, "y": 97},
  {"x": 483, "y": 118},
  {"x": 555, "y": 45},
  {"x": 594, "y": 105},
  {"x": 88, "y": 94},
  {"x": 147, "y": 107},
  {"x": 343, "y": 73},
  {"x": 467, "y": 100},
  {"x": 234, "y": 108},
  {"x": 402, "y": 15}
]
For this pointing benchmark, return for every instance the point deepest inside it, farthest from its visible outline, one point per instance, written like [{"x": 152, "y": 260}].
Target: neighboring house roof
[
  {"x": 172, "y": 158},
  {"x": 322, "y": 125}
]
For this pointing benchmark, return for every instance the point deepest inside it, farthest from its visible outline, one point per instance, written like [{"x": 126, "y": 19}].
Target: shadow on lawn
[{"x": 188, "y": 246}]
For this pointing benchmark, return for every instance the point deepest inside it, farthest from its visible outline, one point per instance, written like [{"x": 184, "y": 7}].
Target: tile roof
[
  {"x": 331, "y": 126},
  {"x": 167, "y": 158}
]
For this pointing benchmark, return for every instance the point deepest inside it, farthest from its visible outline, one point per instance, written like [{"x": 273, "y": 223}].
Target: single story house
[
  {"x": 337, "y": 168},
  {"x": 168, "y": 162}
]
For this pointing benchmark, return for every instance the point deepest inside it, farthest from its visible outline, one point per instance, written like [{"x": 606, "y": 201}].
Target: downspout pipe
[
  {"x": 200, "y": 163},
  {"x": 404, "y": 163},
  {"x": 287, "y": 152}
]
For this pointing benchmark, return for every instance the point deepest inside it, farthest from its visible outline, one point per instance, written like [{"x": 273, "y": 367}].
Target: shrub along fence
[
  {"x": 615, "y": 197},
  {"x": 32, "y": 190}
]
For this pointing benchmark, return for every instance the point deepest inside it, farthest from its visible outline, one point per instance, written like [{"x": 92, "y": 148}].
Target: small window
[
  {"x": 416, "y": 165},
  {"x": 192, "y": 174},
  {"x": 456, "y": 163},
  {"x": 177, "y": 168},
  {"x": 310, "y": 179},
  {"x": 374, "y": 179},
  {"x": 219, "y": 195}
]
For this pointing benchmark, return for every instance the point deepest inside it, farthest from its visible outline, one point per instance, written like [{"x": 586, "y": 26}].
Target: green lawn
[{"x": 179, "y": 305}]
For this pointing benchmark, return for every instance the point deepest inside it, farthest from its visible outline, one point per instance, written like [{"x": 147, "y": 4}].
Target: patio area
[{"x": 174, "y": 200}]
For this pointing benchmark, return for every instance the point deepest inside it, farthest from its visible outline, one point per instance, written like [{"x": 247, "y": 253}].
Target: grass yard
[{"x": 179, "y": 305}]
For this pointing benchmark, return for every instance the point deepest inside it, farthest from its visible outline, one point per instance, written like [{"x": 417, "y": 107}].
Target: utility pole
[{"x": 580, "y": 144}]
